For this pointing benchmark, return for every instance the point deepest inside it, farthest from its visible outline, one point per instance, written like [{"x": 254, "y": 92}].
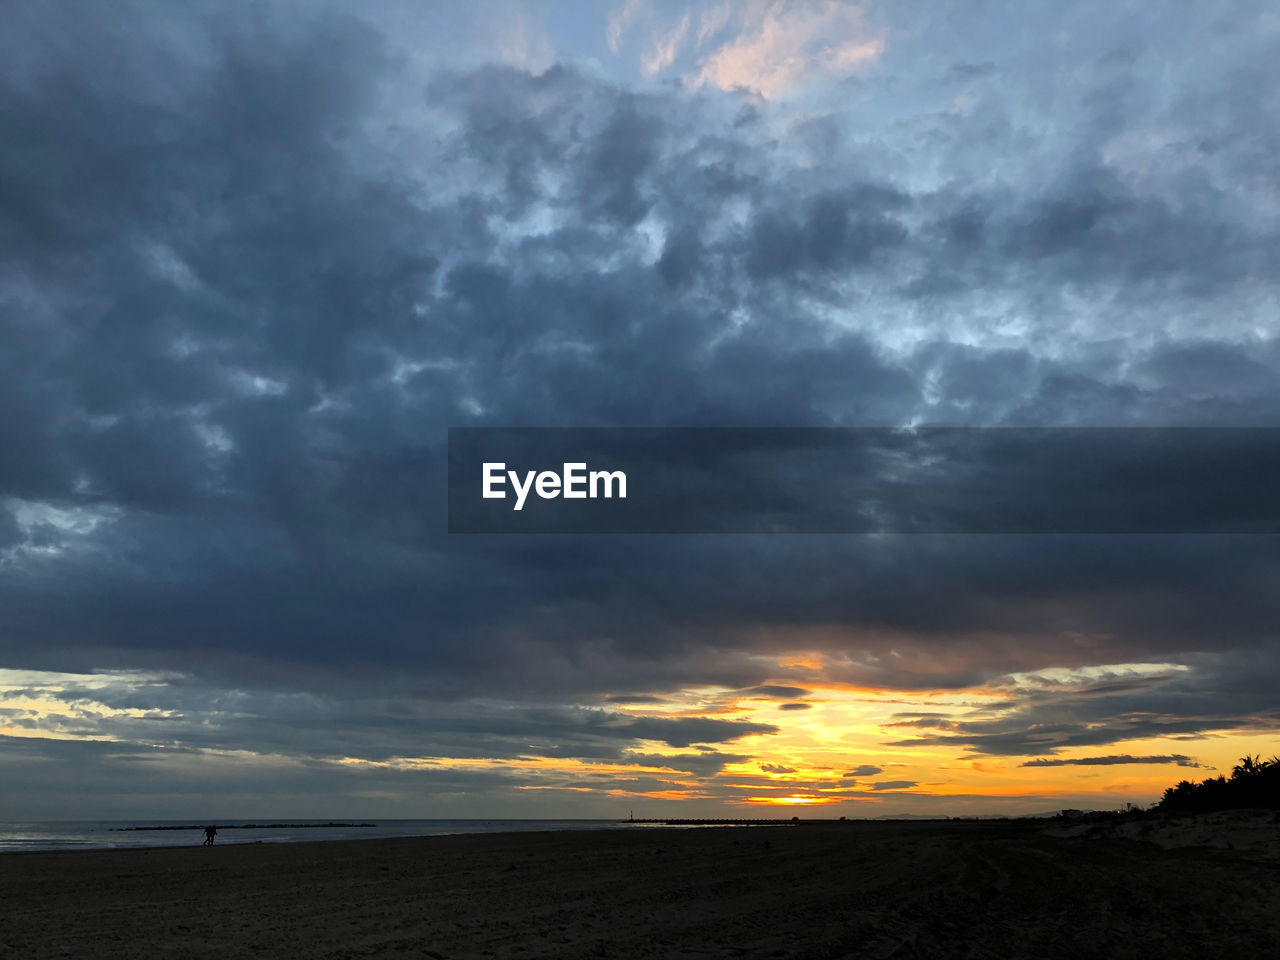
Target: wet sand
[{"x": 874, "y": 890}]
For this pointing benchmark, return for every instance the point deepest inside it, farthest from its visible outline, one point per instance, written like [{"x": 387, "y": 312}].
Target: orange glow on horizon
[{"x": 808, "y": 741}]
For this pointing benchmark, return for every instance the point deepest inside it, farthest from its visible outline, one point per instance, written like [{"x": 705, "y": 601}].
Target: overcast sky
[{"x": 255, "y": 259}]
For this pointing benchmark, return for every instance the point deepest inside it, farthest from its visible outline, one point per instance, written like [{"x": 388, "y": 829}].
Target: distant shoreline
[
  {"x": 77, "y": 836},
  {"x": 245, "y": 826}
]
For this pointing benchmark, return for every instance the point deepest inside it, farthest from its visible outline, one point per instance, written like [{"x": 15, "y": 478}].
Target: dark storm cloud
[
  {"x": 255, "y": 266},
  {"x": 1090, "y": 227},
  {"x": 838, "y": 231}
]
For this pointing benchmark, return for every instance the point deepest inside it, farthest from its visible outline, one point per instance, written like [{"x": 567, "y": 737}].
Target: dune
[{"x": 1253, "y": 834}]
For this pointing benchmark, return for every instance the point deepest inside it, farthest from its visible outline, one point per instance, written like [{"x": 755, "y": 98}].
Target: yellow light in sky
[{"x": 827, "y": 742}]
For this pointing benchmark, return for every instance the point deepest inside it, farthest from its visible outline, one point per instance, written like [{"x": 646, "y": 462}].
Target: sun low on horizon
[{"x": 826, "y": 749}]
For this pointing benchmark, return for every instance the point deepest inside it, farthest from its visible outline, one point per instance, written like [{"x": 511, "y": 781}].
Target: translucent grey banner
[{"x": 864, "y": 480}]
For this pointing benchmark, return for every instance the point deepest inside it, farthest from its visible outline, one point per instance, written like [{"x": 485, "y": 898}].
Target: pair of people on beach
[{"x": 209, "y": 833}]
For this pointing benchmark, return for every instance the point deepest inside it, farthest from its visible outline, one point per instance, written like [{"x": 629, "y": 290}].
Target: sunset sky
[{"x": 257, "y": 258}]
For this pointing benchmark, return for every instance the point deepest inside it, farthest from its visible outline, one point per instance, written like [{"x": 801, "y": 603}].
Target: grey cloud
[
  {"x": 154, "y": 783},
  {"x": 377, "y": 728},
  {"x": 1217, "y": 694},
  {"x": 10, "y": 533},
  {"x": 840, "y": 231},
  {"x": 866, "y": 770},
  {"x": 1174, "y": 758},
  {"x": 703, "y": 764},
  {"x": 776, "y": 768},
  {"x": 777, "y": 691}
]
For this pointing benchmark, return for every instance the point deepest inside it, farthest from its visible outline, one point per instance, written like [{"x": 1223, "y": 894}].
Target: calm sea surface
[{"x": 111, "y": 834}]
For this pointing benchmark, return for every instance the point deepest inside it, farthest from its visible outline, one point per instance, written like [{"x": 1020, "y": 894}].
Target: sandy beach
[{"x": 975, "y": 889}]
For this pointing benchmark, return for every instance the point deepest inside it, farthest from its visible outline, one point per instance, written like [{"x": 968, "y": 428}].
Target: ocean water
[{"x": 116, "y": 834}]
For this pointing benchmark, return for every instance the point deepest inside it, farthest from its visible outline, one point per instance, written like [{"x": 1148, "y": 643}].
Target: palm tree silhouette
[{"x": 1254, "y": 783}]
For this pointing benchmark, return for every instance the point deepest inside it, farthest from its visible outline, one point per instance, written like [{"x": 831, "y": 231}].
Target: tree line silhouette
[{"x": 1253, "y": 783}]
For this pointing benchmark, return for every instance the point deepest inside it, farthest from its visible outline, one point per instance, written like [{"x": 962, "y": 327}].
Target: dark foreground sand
[{"x": 854, "y": 890}]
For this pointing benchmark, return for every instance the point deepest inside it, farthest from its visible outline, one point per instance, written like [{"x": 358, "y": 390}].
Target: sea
[{"x": 123, "y": 834}]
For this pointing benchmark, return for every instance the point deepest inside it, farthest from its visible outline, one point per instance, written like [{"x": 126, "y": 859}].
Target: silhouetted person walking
[{"x": 209, "y": 833}]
